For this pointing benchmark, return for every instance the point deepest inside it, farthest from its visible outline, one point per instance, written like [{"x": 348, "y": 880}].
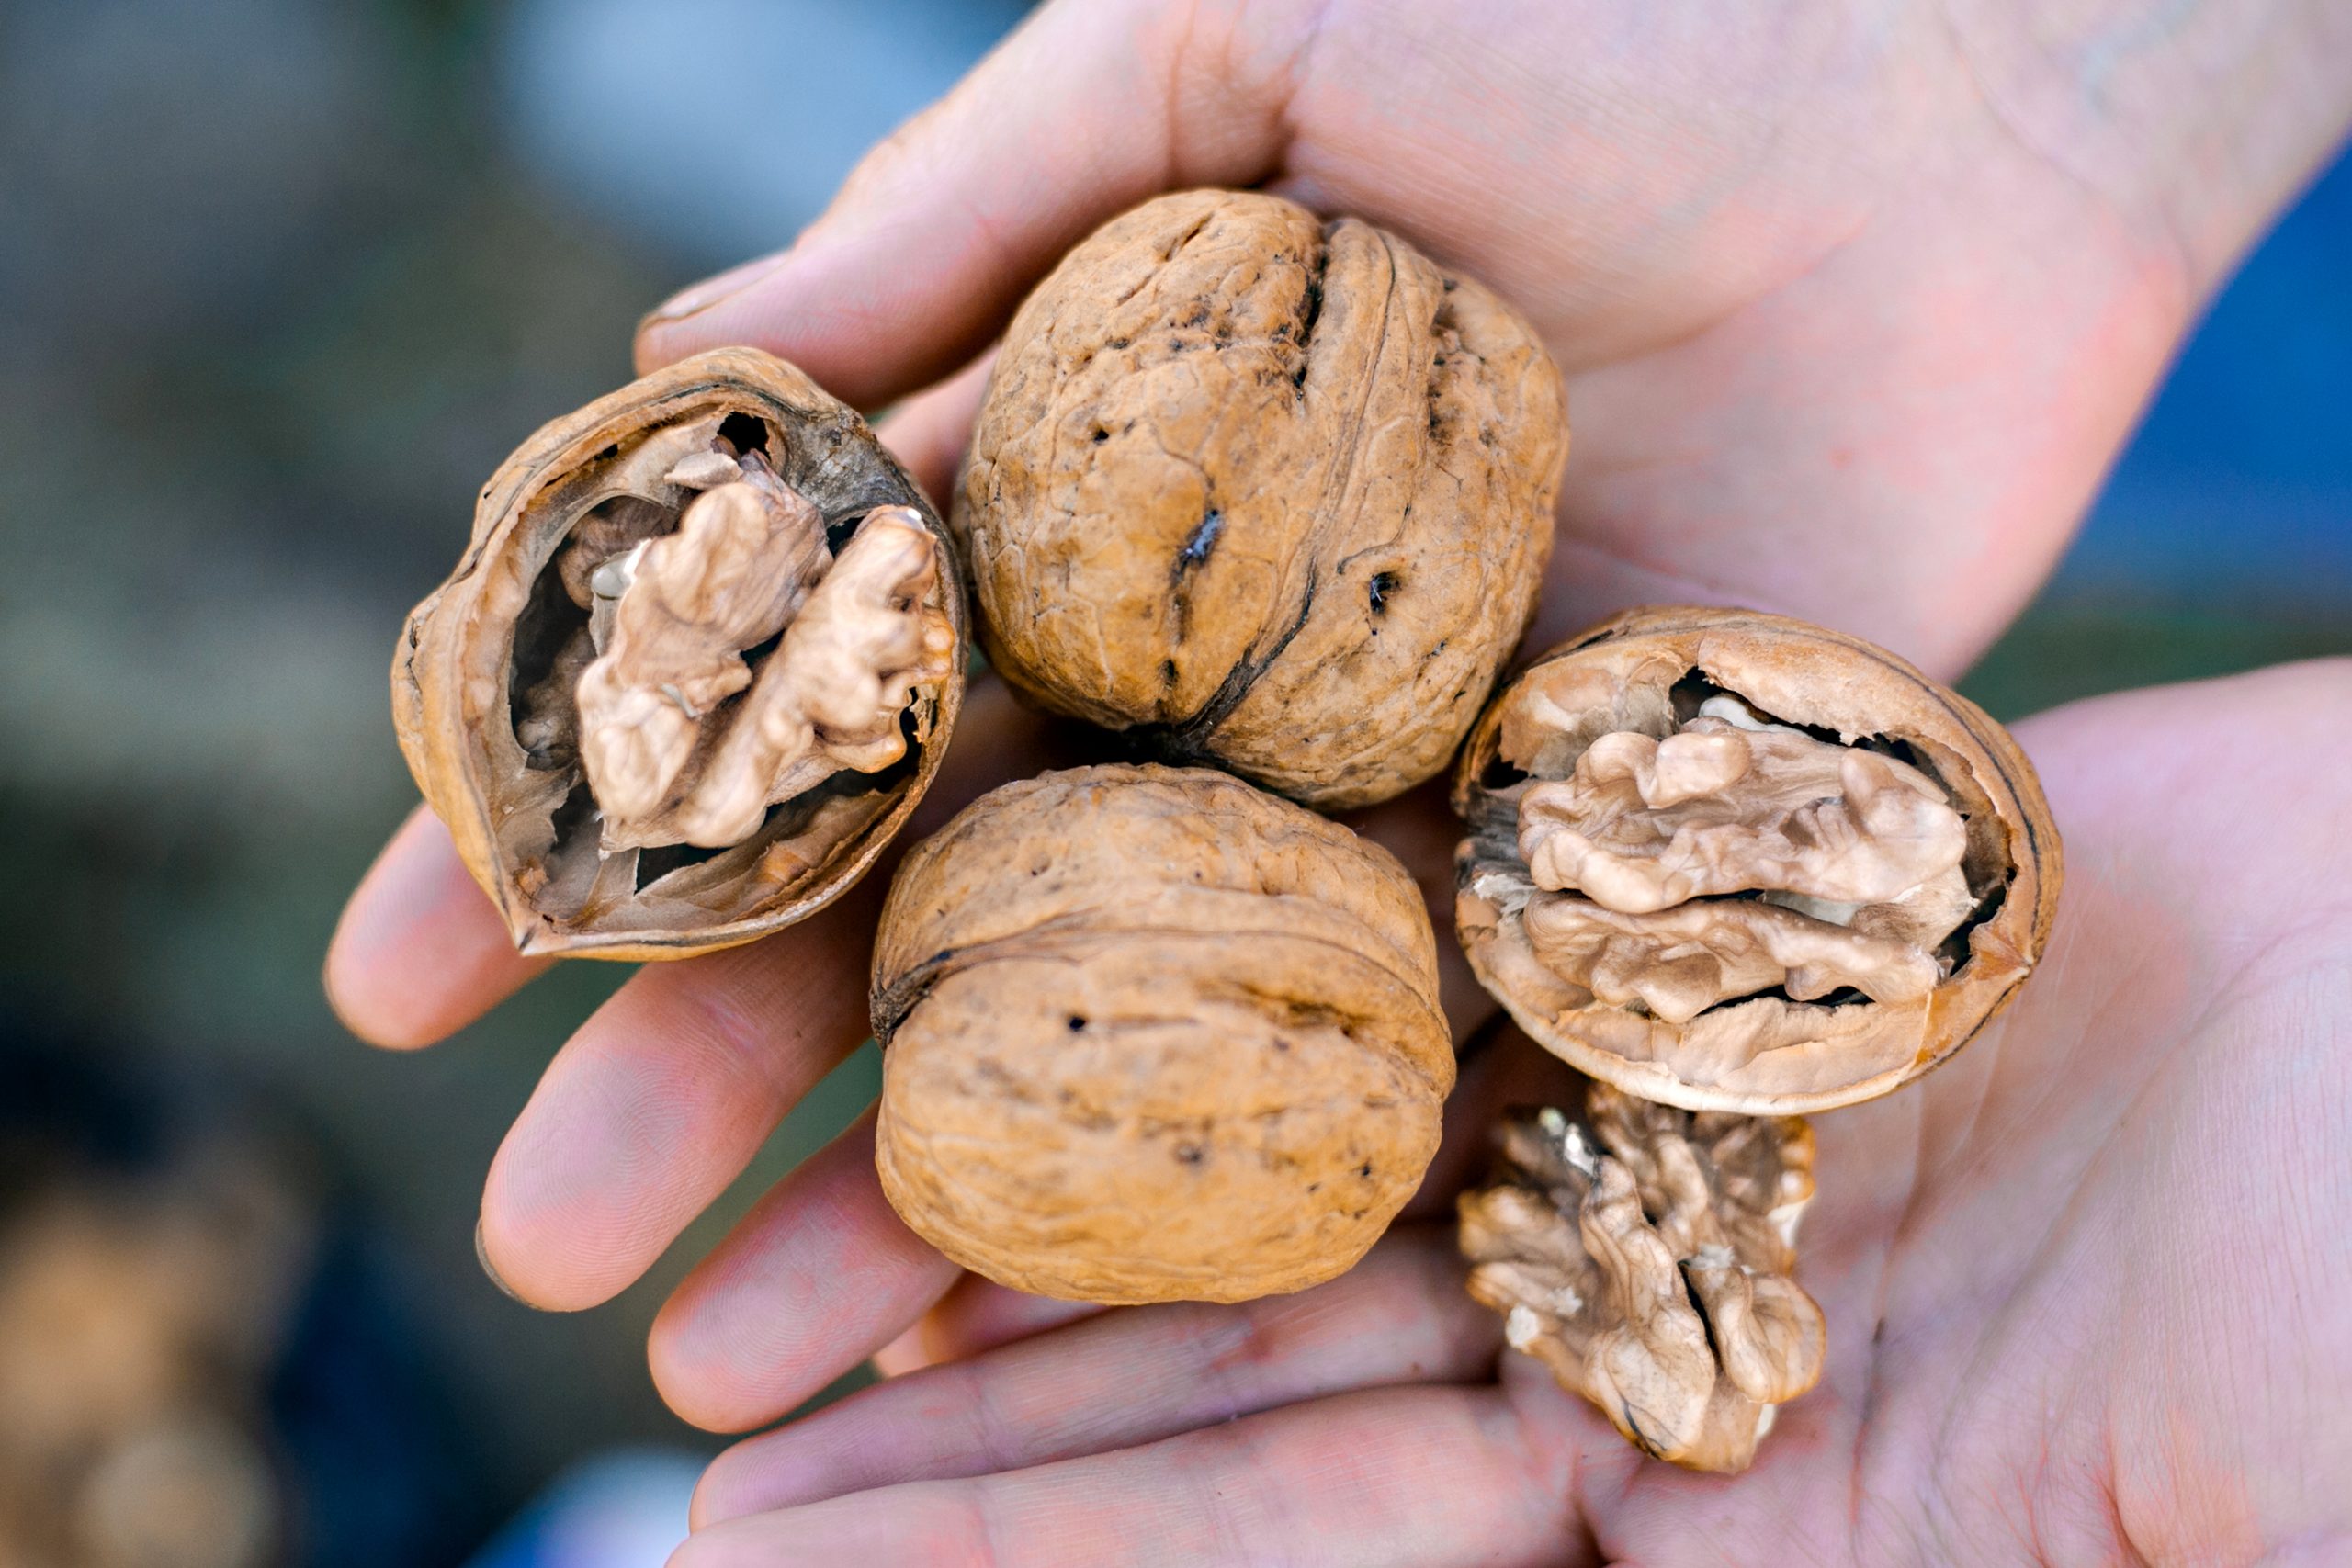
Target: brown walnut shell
[
  {"x": 1151, "y": 1034},
  {"x": 689, "y": 588},
  {"x": 1263, "y": 491},
  {"x": 1728, "y": 860}
]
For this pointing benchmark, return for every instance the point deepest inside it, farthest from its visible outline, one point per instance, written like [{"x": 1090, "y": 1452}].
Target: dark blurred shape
[{"x": 199, "y": 1366}]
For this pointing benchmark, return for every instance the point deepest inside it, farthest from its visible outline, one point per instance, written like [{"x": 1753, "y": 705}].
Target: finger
[
  {"x": 1088, "y": 107},
  {"x": 420, "y": 953},
  {"x": 662, "y": 1097},
  {"x": 1123, "y": 1378},
  {"x": 978, "y": 1314},
  {"x": 660, "y": 1100},
  {"x": 929, "y": 432},
  {"x": 1427, "y": 1476},
  {"x": 818, "y": 1275}
]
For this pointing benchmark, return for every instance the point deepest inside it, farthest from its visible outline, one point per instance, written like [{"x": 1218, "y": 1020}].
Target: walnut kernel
[
  {"x": 1645, "y": 1256},
  {"x": 694, "y": 669},
  {"x": 1728, "y": 860}
]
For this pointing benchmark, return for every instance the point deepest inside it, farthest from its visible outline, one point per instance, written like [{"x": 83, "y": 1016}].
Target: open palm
[
  {"x": 2087, "y": 1290},
  {"x": 1855, "y": 309}
]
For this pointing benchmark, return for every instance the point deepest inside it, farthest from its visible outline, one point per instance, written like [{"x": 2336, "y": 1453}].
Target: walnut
[
  {"x": 1728, "y": 860},
  {"x": 694, "y": 669},
  {"x": 1263, "y": 491},
  {"x": 1151, "y": 1034},
  {"x": 1645, "y": 1256}
]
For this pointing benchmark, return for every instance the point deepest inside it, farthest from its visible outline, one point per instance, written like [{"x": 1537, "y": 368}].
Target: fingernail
[
  {"x": 481, "y": 1256},
  {"x": 712, "y": 290}
]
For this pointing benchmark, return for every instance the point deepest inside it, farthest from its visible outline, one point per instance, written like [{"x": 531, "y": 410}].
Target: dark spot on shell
[
  {"x": 1199, "y": 541},
  {"x": 1190, "y": 1154},
  {"x": 1077, "y": 1021},
  {"x": 1384, "y": 583}
]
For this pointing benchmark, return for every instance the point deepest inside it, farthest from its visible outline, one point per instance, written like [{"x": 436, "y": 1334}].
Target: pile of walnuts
[{"x": 1270, "y": 499}]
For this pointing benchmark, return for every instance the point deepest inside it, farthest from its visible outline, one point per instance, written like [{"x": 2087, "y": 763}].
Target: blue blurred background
[{"x": 280, "y": 282}]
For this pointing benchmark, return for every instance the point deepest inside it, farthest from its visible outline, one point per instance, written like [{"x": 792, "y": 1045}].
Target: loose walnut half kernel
[
  {"x": 1729, "y": 861},
  {"x": 694, "y": 671},
  {"x": 1151, "y": 1034},
  {"x": 1265, "y": 492},
  {"x": 1645, "y": 1256}
]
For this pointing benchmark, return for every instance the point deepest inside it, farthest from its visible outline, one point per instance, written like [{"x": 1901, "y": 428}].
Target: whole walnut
[
  {"x": 697, "y": 666},
  {"x": 1731, "y": 861},
  {"x": 1151, "y": 1034},
  {"x": 1263, "y": 491}
]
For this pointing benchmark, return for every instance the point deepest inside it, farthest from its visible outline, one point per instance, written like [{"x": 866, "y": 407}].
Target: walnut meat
[
  {"x": 696, "y": 667},
  {"x": 1151, "y": 1034},
  {"x": 1728, "y": 860},
  {"x": 1263, "y": 491},
  {"x": 1645, "y": 1256}
]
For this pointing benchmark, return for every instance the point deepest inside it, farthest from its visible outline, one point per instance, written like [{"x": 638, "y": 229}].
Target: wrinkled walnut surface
[
  {"x": 1264, "y": 491},
  {"x": 1151, "y": 1034},
  {"x": 1645, "y": 1256},
  {"x": 697, "y": 666},
  {"x": 1729, "y": 861}
]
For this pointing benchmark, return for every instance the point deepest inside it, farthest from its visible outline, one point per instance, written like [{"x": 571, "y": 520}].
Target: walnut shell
[
  {"x": 1153, "y": 1036},
  {"x": 1647, "y": 1256},
  {"x": 1263, "y": 491},
  {"x": 1729, "y": 861},
  {"x": 697, "y": 666}
]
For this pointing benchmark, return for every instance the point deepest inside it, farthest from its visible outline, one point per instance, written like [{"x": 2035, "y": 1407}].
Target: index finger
[{"x": 1088, "y": 107}]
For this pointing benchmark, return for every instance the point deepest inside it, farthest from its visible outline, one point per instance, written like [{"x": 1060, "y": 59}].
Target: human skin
[{"x": 1855, "y": 307}]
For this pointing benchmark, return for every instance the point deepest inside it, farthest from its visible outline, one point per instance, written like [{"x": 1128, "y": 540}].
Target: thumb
[{"x": 1088, "y": 109}]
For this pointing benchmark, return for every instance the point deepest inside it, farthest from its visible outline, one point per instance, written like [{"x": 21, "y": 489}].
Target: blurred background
[{"x": 280, "y": 282}]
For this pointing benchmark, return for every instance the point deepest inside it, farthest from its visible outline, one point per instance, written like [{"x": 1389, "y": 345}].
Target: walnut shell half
[
  {"x": 1729, "y": 861},
  {"x": 1647, "y": 1256},
  {"x": 1264, "y": 491},
  {"x": 697, "y": 666},
  {"x": 1153, "y": 1036}
]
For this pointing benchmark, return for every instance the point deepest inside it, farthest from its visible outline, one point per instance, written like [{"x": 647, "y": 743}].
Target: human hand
[
  {"x": 2087, "y": 1286},
  {"x": 1840, "y": 343}
]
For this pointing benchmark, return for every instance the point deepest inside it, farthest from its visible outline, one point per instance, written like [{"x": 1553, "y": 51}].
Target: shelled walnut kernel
[{"x": 1645, "y": 1256}]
